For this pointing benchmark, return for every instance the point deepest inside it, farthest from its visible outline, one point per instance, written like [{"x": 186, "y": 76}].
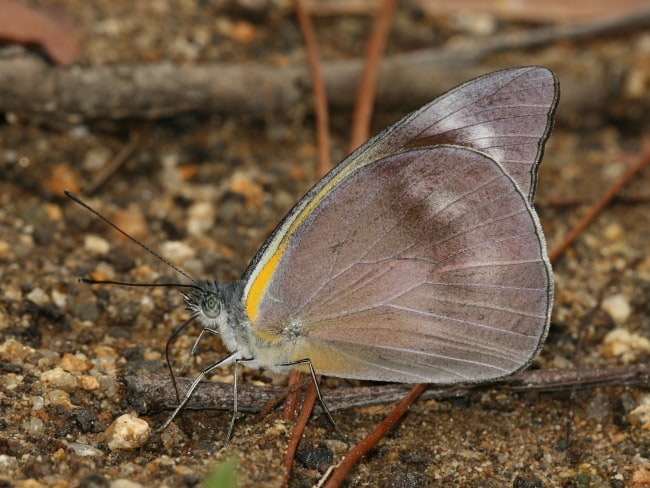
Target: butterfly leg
[
  {"x": 318, "y": 392},
  {"x": 195, "y": 346},
  {"x": 224, "y": 362},
  {"x": 234, "y": 395},
  {"x": 191, "y": 354}
]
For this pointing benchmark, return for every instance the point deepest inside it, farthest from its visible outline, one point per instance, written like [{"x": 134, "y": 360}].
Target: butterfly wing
[
  {"x": 507, "y": 115},
  {"x": 425, "y": 266}
]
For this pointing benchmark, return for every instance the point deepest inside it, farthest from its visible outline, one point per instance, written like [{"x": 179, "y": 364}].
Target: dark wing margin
[{"x": 507, "y": 115}]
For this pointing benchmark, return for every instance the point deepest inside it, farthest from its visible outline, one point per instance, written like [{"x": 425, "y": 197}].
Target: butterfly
[{"x": 418, "y": 259}]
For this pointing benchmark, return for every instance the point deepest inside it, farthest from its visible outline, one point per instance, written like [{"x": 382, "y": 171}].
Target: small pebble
[
  {"x": 34, "y": 426},
  {"x": 133, "y": 222},
  {"x": 243, "y": 32},
  {"x": 79, "y": 131},
  {"x": 614, "y": 232},
  {"x": 59, "y": 299},
  {"x": 13, "y": 381},
  {"x": 618, "y": 308},
  {"x": 53, "y": 211},
  {"x": 200, "y": 218},
  {"x": 15, "y": 350},
  {"x": 96, "y": 158},
  {"x": 85, "y": 450},
  {"x": 38, "y": 297},
  {"x": 244, "y": 184},
  {"x": 5, "y": 249},
  {"x": 624, "y": 344},
  {"x": 176, "y": 251},
  {"x": 8, "y": 464},
  {"x": 124, "y": 483},
  {"x": 96, "y": 245},
  {"x": 641, "y": 477},
  {"x": 89, "y": 383},
  {"x": 38, "y": 402},
  {"x": 102, "y": 350},
  {"x": 63, "y": 176},
  {"x": 59, "y": 398},
  {"x": 72, "y": 363},
  {"x": 58, "y": 378},
  {"x": 640, "y": 416},
  {"x": 127, "y": 432}
]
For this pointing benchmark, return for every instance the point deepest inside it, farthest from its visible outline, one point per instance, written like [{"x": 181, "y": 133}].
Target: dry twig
[
  {"x": 366, "y": 93},
  {"x": 31, "y": 87},
  {"x": 154, "y": 393}
]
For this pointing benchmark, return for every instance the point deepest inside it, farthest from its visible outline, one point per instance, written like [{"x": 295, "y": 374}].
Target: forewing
[
  {"x": 425, "y": 266},
  {"x": 507, "y": 115}
]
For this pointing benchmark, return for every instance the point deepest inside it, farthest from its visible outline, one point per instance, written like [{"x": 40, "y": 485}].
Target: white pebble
[
  {"x": 59, "y": 299},
  {"x": 127, "y": 432},
  {"x": 625, "y": 345},
  {"x": 176, "y": 251},
  {"x": 200, "y": 218},
  {"x": 96, "y": 244},
  {"x": 38, "y": 297},
  {"x": 640, "y": 416},
  {"x": 58, "y": 378},
  {"x": 8, "y": 463},
  {"x": 38, "y": 402},
  {"x": 84, "y": 450},
  {"x": 124, "y": 483},
  {"x": 96, "y": 159},
  {"x": 618, "y": 308},
  {"x": 34, "y": 426}
]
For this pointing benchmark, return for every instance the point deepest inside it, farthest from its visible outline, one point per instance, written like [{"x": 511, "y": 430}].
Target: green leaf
[{"x": 224, "y": 475}]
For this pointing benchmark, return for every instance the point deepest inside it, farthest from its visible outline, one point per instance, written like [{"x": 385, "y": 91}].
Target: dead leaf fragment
[{"x": 25, "y": 25}]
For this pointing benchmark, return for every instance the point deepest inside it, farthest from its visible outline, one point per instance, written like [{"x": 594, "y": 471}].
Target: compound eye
[{"x": 211, "y": 306}]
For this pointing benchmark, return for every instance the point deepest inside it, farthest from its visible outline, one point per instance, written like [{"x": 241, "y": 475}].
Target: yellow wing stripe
[
  {"x": 320, "y": 196},
  {"x": 261, "y": 282},
  {"x": 263, "y": 277}
]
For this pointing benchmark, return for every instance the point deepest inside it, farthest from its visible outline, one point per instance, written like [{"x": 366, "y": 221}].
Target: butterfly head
[{"x": 218, "y": 307}]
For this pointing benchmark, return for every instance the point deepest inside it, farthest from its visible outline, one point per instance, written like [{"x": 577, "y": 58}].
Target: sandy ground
[{"x": 218, "y": 185}]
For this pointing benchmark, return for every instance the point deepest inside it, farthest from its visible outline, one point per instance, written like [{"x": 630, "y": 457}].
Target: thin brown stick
[
  {"x": 545, "y": 35},
  {"x": 368, "y": 85},
  {"x": 301, "y": 423},
  {"x": 369, "y": 442},
  {"x": 318, "y": 84},
  {"x": 641, "y": 162},
  {"x": 282, "y": 396},
  {"x": 115, "y": 164},
  {"x": 293, "y": 393},
  {"x": 561, "y": 202}
]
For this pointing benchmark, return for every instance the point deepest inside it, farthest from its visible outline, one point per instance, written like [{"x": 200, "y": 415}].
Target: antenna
[
  {"x": 195, "y": 285},
  {"x": 78, "y": 200}
]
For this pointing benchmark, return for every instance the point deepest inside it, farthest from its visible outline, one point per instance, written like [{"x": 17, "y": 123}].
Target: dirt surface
[{"x": 205, "y": 191}]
